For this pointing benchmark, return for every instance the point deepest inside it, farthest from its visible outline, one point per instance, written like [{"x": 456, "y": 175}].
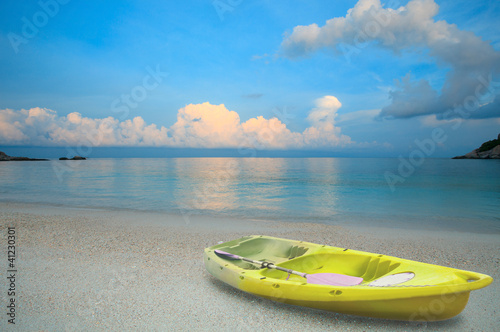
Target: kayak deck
[{"x": 392, "y": 287}]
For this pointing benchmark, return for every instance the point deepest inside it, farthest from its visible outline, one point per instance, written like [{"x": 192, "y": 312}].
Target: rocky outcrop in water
[
  {"x": 74, "y": 158},
  {"x": 488, "y": 150},
  {"x": 5, "y": 157}
]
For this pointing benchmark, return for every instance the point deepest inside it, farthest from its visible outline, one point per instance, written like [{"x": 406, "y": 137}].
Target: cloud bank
[
  {"x": 197, "y": 126},
  {"x": 473, "y": 62}
]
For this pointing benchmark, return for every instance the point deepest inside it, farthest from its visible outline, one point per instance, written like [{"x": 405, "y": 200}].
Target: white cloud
[
  {"x": 10, "y": 127},
  {"x": 411, "y": 98},
  {"x": 358, "y": 117},
  {"x": 410, "y": 28},
  {"x": 433, "y": 121},
  {"x": 323, "y": 130},
  {"x": 197, "y": 126},
  {"x": 271, "y": 133},
  {"x": 325, "y": 112},
  {"x": 206, "y": 125},
  {"x": 43, "y": 127}
]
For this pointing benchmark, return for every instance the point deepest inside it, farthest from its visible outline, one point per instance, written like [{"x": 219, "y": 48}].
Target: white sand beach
[{"x": 89, "y": 269}]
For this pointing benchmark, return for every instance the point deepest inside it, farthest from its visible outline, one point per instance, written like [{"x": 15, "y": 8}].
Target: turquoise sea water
[{"x": 440, "y": 193}]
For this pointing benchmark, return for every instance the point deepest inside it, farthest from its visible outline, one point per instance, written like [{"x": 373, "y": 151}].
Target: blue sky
[{"x": 213, "y": 74}]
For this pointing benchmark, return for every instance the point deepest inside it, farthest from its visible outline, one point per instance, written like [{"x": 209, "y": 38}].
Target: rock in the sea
[
  {"x": 5, "y": 157},
  {"x": 495, "y": 152},
  {"x": 74, "y": 158},
  {"x": 488, "y": 150}
]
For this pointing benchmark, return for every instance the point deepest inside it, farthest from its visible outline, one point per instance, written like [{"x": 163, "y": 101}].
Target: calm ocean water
[{"x": 440, "y": 193}]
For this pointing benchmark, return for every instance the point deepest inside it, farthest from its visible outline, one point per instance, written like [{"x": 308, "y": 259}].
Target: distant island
[
  {"x": 488, "y": 150},
  {"x": 5, "y": 157},
  {"x": 74, "y": 158}
]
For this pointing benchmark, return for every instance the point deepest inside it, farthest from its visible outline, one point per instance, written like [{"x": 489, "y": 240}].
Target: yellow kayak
[{"x": 342, "y": 280}]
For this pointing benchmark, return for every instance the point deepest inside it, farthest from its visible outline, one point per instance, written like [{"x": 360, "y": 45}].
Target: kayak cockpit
[
  {"x": 265, "y": 250},
  {"x": 366, "y": 267},
  {"x": 374, "y": 269}
]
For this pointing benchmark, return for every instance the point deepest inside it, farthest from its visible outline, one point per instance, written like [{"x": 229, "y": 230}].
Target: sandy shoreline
[{"x": 82, "y": 269}]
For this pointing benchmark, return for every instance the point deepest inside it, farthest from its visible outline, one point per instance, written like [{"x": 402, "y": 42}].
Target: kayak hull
[{"x": 434, "y": 293}]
